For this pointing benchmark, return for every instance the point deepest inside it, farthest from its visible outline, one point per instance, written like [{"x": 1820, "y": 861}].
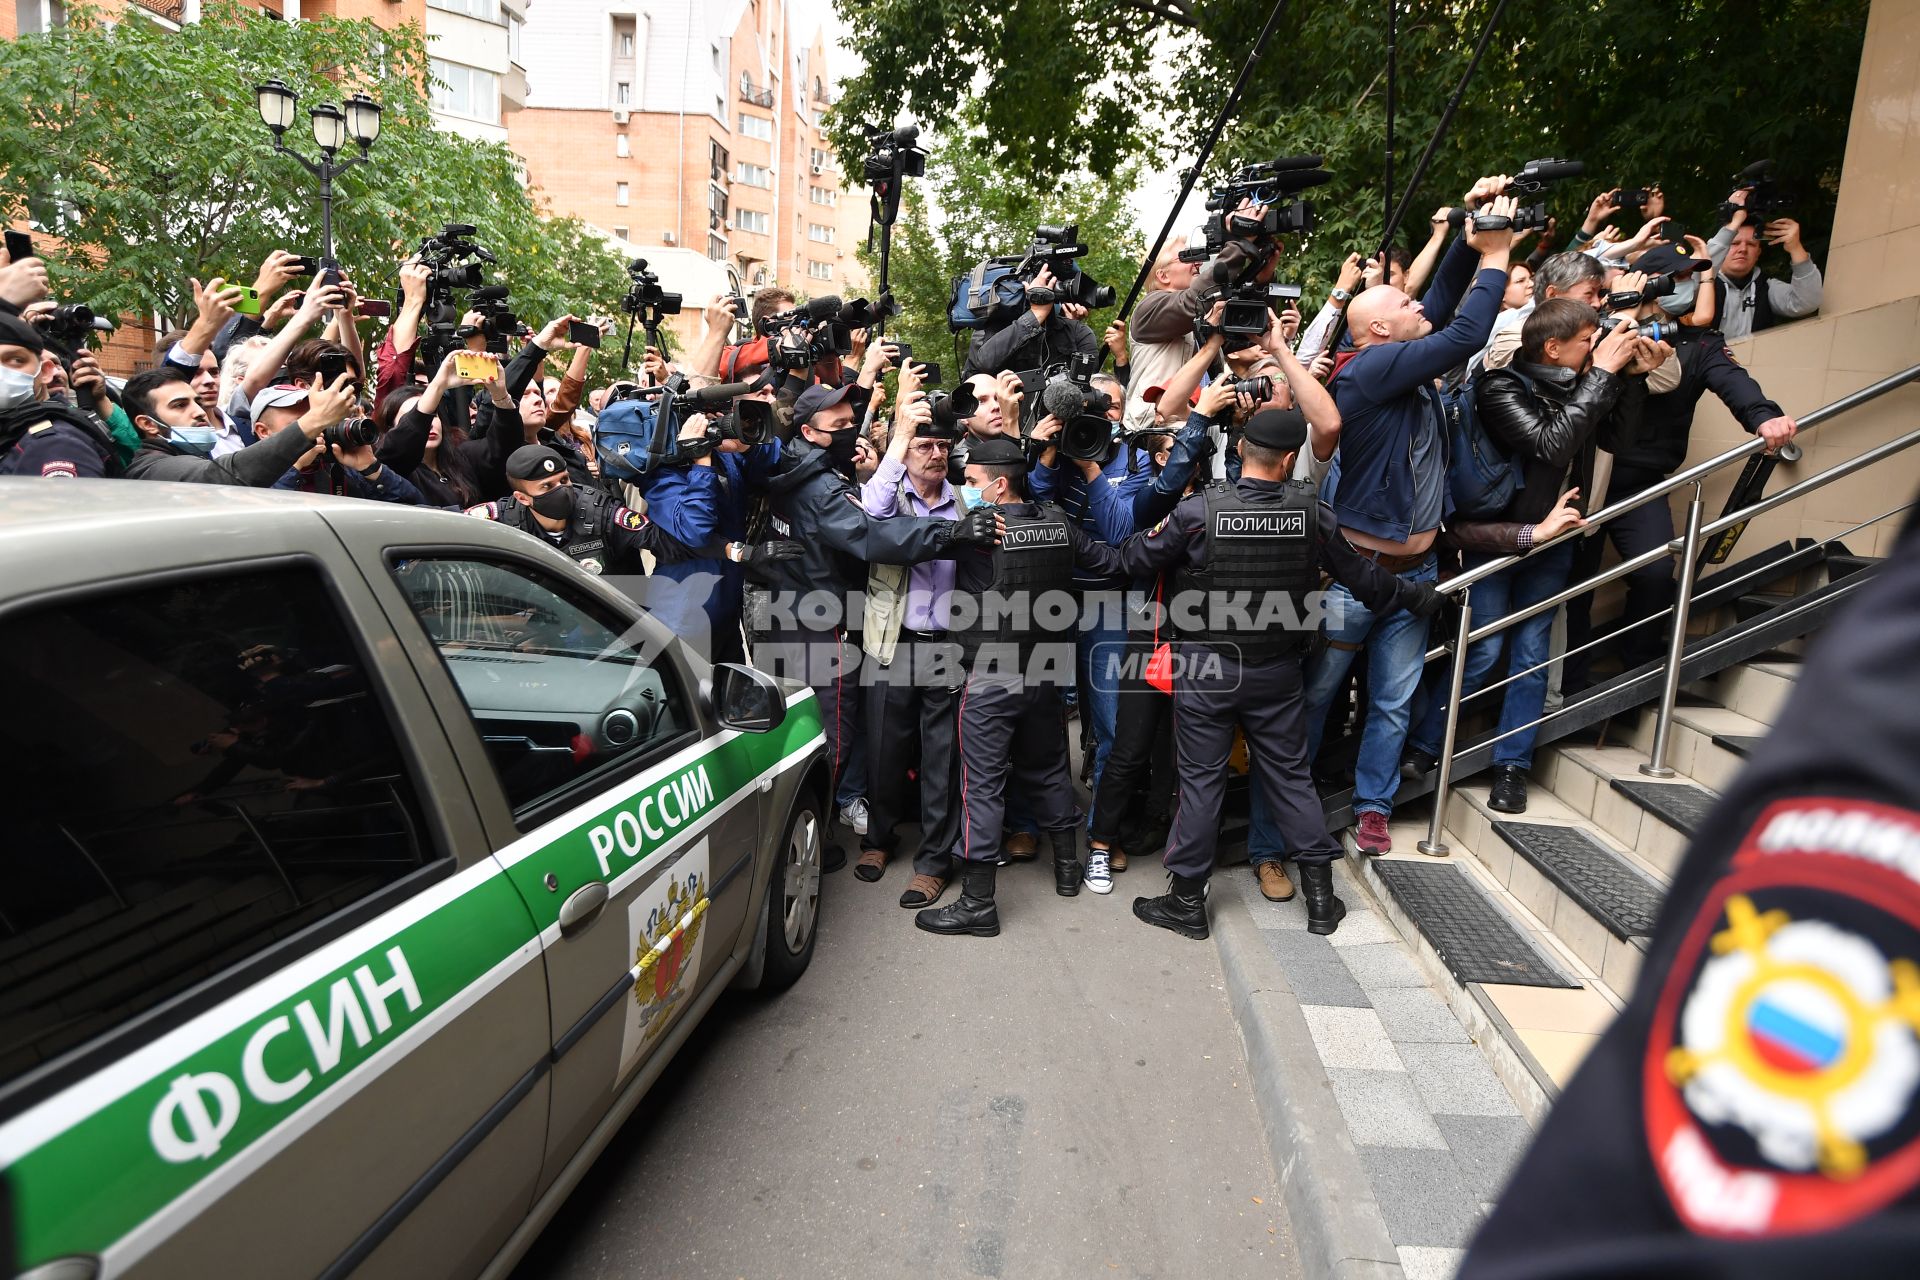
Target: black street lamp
[{"x": 331, "y": 129}]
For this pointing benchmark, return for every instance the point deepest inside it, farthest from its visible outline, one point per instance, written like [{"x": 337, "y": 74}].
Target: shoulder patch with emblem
[
  {"x": 1781, "y": 1082},
  {"x": 628, "y": 518},
  {"x": 484, "y": 510},
  {"x": 60, "y": 469}
]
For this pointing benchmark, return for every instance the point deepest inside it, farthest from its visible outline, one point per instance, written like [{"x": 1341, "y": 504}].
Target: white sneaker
[
  {"x": 854, "y": 814},
  {"x": 1099, "y": 876}
]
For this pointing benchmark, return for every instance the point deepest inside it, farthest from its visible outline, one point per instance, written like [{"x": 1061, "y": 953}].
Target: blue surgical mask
[
  {"x": 197, "y": 440},
  {"x": 16, "y": 389},
  {"x": 971, "y": 497}
]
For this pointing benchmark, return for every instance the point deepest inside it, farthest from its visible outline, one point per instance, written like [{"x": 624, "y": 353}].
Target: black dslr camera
[
  {"x": 353, "y": 433},
  {"x": 1271, "y": 186},
  {"x": 950, "y": 409},
  {"x": 1054, "y": 249}
]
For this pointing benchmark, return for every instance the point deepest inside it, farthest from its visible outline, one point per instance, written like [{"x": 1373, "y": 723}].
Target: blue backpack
[
  {"x": 986, "y": 296},
  {"x": 1481, "y": 477},
  {"x": 631, "y": 434}
]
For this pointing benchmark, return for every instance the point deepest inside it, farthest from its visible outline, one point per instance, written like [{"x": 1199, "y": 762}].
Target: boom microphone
[
  {"x": 1754, "y": 172},
  {"x": 823, "y": 308},
  {"x": 720, "y": 393},
  {"x": 1551, "y": 170},
  {"x": 1299, "y": 162}
]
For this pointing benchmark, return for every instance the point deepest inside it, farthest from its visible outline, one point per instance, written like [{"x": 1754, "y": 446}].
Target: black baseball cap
[
  {"x": 997, "y": 451},
  {"x": 1282, "y": 429},
  {"x": 818, "y": 397},
  {"x": 534, "y": 462},
  {"x": 1669, "y": 259}
]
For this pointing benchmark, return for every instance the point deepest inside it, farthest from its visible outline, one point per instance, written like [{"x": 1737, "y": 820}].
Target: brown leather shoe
[
  {"x": 924, "y": 891},
  {"x": 1116, "y": 859},
  {"x": 1274, "y": 885},
  {"x": 873, "y": 862},
  {"x": 1021, "y": 847}
]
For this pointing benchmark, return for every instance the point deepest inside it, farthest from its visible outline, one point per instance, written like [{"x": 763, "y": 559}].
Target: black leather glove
[
  {"x": 754, "y": 557},
  {"x": 1422, "y": 599},
  {"x": 980, "y": 527}
]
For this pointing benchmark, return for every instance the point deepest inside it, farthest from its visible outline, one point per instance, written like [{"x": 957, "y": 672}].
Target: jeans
[
  {"x": 1526, "y": 583},
  {"x": 1396, "y": 649},
  {"x": 1101, "y": 650},
  {"x": 1649, "y": 589}
]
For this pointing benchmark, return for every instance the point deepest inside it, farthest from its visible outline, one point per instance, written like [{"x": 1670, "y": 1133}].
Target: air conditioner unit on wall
[
  {"x": 816, "y": 169},
  {"x": 620, "y": 117}
]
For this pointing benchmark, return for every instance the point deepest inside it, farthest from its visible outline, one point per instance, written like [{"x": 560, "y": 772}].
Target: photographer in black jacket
[{"x": 1044, "y": 334}]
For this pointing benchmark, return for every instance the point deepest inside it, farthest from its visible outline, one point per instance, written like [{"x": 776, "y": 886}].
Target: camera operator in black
[
  {"x": 588, "y": 526},
  {"x": 1238, "y": 546},
  {"x": 814, "y": 502},
  {"x": 1043, "y": 335},
  {"x": 1010, "y": 723}
]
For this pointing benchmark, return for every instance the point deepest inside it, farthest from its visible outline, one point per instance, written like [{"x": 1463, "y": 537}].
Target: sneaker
[
  {"x": 1099, "y": 875},
  {"x": 854, "y": 814},
  {"x": 1509, "y": 791},
  {"x": 1372, "y": 836}
]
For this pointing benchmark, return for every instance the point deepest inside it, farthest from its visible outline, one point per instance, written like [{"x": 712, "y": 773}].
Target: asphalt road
[{"x": 1069, "y": 1099}]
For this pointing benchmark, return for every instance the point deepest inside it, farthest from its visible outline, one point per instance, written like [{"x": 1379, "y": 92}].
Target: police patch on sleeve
[
  {"x": 1782, "y": 1070},
  {"x": 483, "y": 510},
  {"x": 628, "y": 518}
]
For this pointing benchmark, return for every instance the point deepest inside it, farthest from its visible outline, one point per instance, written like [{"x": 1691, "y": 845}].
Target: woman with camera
[{"x": 444, "y": 463}]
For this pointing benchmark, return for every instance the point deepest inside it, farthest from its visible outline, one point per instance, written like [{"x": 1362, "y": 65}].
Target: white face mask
[{"x": 16, "y": 389}]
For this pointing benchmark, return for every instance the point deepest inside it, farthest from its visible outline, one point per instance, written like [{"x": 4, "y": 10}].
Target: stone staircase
[{"x": 1534, "y": 924}]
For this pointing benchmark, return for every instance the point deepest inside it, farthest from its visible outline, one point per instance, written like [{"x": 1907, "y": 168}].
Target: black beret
[
  {"x": 996, "y": 451},
  {"x": 534, "y": 462},
  {"x": 1282, "y": 429},
  {"x": 15, "y": 332}
]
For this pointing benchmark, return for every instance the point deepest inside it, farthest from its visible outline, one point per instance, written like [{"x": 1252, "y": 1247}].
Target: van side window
[
  {"x": 195, "y": 771},
  {"x": 566, "y": 697}
]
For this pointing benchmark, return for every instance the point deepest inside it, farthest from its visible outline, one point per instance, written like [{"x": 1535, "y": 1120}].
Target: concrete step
[
  {"x": 1583, "y": 777},
  {"x": 1695, "y": 750},
  {"x": 1756, "y": 690}
]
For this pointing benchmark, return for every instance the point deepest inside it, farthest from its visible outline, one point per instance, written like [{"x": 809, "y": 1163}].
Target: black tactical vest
[
  {"x": 1254, "y": 550},
  {"x": 585, "y": 539},
  {"x": 1034, "y": 558}
]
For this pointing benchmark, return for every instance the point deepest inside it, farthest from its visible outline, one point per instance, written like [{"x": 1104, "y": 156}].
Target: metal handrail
[{"x": 1687, "y": 546}]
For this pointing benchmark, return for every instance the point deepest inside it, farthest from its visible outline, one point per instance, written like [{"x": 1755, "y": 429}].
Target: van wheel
[{"x": 793, "y": 906}]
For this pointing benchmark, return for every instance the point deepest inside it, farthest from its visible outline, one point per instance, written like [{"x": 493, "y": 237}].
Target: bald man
[{"x": 1391, "y": 495}]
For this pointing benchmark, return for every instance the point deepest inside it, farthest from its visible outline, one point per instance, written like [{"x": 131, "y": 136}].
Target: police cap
[
  {"x": 996, "y": 451},
  {"x": 1282, "y": 429},
  {"x": 534, "y": 462},
  {"x": 815, "y": 398},
  {"x": 15, "y": 332}
]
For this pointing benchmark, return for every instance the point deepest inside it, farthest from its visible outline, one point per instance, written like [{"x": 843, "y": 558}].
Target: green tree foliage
[
  {"x": 969, "y": 208},
  {"x": 143, "y": 150},
  {"x": 1677, "y": 92}
]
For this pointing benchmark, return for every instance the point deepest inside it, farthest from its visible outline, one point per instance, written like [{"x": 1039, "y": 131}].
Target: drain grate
[
  {"x": 1680, "y": 805},
  {"x": 1476, "y": 940},
  {"x": 1610, "y": 889}
]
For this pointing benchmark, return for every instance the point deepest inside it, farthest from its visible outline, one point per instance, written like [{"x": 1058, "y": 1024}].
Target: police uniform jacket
[
  {"x": 64, "y": 442},
  {"x": 1755, "y": 1109},
  {"x": 1666, "y": 421},
  {"x": 602, "y": 536}
]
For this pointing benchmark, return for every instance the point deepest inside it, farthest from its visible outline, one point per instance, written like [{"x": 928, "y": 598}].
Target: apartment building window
[
  {"x": 820, "y": 160},
  {"x": 819, "y": 234},
  {"x": 756, "y": 127},
  {"x": 622, "y": 145},
  {"x": 819, "y": 270},
  {"x": 754, "y": 175},
  {"x": 716, "y": 207},
  {"x": 621, "y": 232},
  {"x": 716, "y": 161},
  {"x": 823, "y": 195},
  {"x": 485, "y": 10},
  {"x": 750, "y": 220},
  {"x": 716, "y": 248},
  {"x": 515, "y": 30},
  {"x": 35, "y": 16},
  {"x": 622, "y": 93},
  {"x": 465, "y": 91},
  {"x": 620, "y": 193},
  {"x": 626, "y": 44}
]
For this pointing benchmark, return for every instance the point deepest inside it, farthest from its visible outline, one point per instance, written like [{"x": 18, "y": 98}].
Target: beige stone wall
[{"x": 1868, "y": 327}]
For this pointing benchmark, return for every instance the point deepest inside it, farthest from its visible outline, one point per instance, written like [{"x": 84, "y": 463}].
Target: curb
[{"x": 1337, "y": 1223}]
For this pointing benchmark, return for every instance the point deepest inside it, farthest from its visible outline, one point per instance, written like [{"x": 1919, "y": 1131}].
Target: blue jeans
[
  {"x": 1526, "y": 583},
  {"x": 1396, "y": 648},
  {"x": 1101, "y": 650}
]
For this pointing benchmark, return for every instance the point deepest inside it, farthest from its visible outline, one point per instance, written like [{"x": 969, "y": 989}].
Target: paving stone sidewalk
[{"x": 1435, "y": 1130}]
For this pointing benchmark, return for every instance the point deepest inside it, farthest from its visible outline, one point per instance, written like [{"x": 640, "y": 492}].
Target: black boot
[
  {"x": 972, "y": 912},
  {"x": 1324, "y": 911},
  {"x": 1066, "y": 861},
  {"x": 1509, "y": 791},
  {"x": 1182, "y": 908}
]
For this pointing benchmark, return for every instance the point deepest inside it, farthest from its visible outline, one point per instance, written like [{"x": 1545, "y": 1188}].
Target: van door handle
[{"x": 582, "y": 907}]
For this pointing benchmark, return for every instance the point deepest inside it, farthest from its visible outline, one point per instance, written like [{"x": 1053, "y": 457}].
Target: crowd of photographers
[{"x": 778, "y": 492}]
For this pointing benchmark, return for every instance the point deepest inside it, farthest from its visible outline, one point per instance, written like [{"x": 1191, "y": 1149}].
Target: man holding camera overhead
[
  {"x": 1046, "y": 333},
  {"x": 1750, "y": 301}
]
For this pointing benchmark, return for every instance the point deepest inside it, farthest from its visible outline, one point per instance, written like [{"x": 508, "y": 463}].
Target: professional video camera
[
  {"x": 497, "y": 324},
  {"x": 645, "y": 298},
  {"x": 806, "y": 335},
  {"x": 1535, "y": 178},
  {"x": 639, "y": 427},
  {"x": 950, "y": 409},
  {"x": 1055, "y": 248},
  {"x": 1246, "y": 317},
  {"x": 1766, "y": 198},
  {"x": 1086, "y": 433},
  {"x": 454, "y": 262},
  {"x": 71, "y": 325},
  {"x": 893, "y": 153},
  {"x": 1269, "y": 185}
]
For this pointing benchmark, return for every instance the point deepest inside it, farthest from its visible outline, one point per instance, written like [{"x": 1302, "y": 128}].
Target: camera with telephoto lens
[
  {"x": 354, "y": 433},
  {"x": 950, "y": 411},
  {"x": 1657, "y": 286},
  {"x": 1766, "y": 198},
  {"x": 645, "y": 298},
  {"x": 893, "y": 153},
  {"x": 1536, "y": 178},
  {"x": 1086, "y": 433},
  {"x": 1667, "y": 331},
  {"x": 801, "y": 338},
  {"x": 1271, "y": 186},
  {"x": 1054, "y": 249},
  {"x": 456, "y": 264},
  {"x": 71, "y": 325}
]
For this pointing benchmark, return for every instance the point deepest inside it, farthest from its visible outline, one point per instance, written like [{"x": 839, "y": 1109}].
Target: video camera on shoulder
[
  {"x": 992, "y": 294},
  {"x": 638, "y": 430},
  {"x": 1271, "y": 185},
  {"x": 1066, "y": 393}
]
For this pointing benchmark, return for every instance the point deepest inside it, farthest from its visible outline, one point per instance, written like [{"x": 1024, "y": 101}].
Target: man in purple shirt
[{"x": 913, "y": 671}]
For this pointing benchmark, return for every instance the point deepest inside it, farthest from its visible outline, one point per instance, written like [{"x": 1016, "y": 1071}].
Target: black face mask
[
  {"x": 841, "y": 447},
  {"x": 556, "y": 503}
]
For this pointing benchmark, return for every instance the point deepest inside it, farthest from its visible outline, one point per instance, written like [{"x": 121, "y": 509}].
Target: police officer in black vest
[
  {"x": 1249, "y": 557},
  {"x": 588, "y": 526},
  {"x": 1015, "y": 620}
]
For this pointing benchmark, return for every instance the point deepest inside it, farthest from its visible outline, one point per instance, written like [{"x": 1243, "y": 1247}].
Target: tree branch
[{"x": 1180, "y": 14}]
